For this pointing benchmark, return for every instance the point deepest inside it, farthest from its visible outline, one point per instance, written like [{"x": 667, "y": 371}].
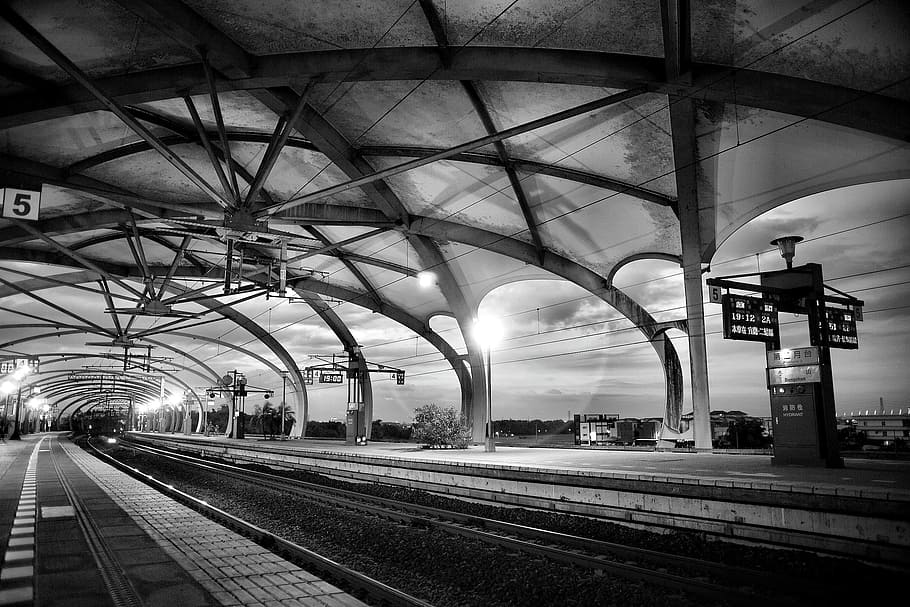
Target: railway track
[{"x": 707, "y": 580}]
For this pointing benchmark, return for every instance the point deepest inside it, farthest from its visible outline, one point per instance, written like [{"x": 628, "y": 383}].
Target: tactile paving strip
[{"x": 17, "y": 573}]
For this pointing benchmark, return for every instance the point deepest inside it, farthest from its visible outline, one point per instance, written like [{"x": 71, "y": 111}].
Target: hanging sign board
[
  {"x": 841, "y": 328},
  {"x": 9, "y": 365},
  {"x": 749, "y": 318},
  {"x": 21, "y": 204}
]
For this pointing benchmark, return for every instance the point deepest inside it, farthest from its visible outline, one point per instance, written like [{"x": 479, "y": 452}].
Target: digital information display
[
  {"x": 330, "y": 378},
  {"x": 749, "y": 318},
  {"x": 9, "y": 365},
  {"x": 841, "y": 328}
]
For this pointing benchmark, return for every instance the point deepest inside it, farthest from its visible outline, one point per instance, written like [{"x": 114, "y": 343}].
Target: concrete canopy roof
[{"x": 487, "y": 142}]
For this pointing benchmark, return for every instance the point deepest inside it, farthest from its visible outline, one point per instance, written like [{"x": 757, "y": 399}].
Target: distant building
[
  {"x": 611, "y": 429},
  {"x": 880, "y": 427}
]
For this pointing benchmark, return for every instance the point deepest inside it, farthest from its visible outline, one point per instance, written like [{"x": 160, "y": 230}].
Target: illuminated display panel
[{"x": 749, "y": 318}]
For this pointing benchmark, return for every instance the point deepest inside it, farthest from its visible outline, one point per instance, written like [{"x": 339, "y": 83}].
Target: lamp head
[
  {"x": 787, "y": 246},
  {"x": 487, "y": 331},
  {"x": 426, "y": 279}
]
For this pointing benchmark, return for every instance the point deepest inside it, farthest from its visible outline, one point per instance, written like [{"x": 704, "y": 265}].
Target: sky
[{"x": 565, "y": 352}]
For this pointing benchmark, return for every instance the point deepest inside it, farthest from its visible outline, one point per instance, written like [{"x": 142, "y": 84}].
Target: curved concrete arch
[
  {"x": 677, "y": 259},
  {"x": 330, "y": 318},
  {"x": 579, "y": 275},
  {"x": 871, "y": 111},
  {"x": 263, "y": 336},
  {"x": 66, "y": 356},
  {"x": 729, "y": 231},
  {"x": 400, "y": 316},
  {"x": 213, "y": 378}
]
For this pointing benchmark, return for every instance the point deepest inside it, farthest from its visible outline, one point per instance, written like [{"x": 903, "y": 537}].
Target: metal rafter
[
  {"x": 338, "y": 244},
  {"x": 283, "y": 129},
  {"x": 111, "y": 104},
  {"x": 207, "y": 144},
  {"x": 170, "y": 273},
  {"x": 110, "y": 304},
  {"x": 453, "y": 151},
  {"x": 347, "y": 262},
  {"x": 53, "y": 306},
  {"x": 219, "y": 124},
  {"x": 73, "y": 255},
  {"x": 486, "y": 119},
  {"x": 471, "y": 88}
]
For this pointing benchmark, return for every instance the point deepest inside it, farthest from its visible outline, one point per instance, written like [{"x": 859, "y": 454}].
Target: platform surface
[
  {"x": 57, "y": 503},
  {"x": 888, "y": 479}
]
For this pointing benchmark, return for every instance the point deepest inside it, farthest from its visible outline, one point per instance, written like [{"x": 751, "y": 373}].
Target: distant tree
[
  {"x": 325, "y": 429},
  {"x": 390, "y": 431},
  {"x": 377, "y": 432},
  {"x": 219, "y": 418},
  {"x": 746, "y": 434},
  {"x": 437, "y": 427}
]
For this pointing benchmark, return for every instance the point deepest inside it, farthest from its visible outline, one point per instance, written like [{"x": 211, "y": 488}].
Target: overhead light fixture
[
  {"x": 787, "y": 246},
  {"x": 426, "y": 279}
]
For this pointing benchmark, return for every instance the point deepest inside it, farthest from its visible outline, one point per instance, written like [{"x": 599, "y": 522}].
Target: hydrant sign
[{"x": 21, "y": 204}]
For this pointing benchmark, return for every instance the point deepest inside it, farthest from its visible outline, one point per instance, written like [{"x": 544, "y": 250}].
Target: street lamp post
[
  {"x": 487, "y": 332},
  {"x": 284, "y": 399}
]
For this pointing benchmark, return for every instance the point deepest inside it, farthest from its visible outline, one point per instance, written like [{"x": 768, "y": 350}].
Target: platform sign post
[{"x": 799, "y": 380}]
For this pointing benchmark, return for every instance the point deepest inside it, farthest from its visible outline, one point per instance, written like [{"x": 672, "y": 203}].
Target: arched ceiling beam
[
  {"x": 522, "y": 251},
  {"x": 399, "y": 151},
  {"x": 863, "y": 110},
  {"x": 339, "y": 151},
  {"x": 418, "y": 326},
  {"x": 227, "y": 312},
  {"x": 67, "y": 388},
  {"x": 68, "y": 356},
  {"x": 212, "y": 377}
]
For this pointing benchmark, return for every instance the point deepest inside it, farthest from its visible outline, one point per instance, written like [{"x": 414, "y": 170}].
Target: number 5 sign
[{"x": 21, "y": 204}]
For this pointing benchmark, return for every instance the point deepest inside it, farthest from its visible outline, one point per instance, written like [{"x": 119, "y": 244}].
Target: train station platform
[
  {"x": 860, "y": 510},
  {"x": 75, "y": 532},
  {"x": 879, "y": 478}
]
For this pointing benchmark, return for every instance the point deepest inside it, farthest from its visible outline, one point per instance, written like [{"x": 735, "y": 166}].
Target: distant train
[{"x": 110, "y": 425}]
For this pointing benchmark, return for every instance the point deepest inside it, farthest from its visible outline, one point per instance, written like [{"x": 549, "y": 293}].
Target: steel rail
[
  {"x": 584, "y": 552},
  {"x": 295, "y": 553}
]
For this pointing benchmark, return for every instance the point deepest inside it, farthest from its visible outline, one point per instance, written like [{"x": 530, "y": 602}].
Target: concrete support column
[
  {"x": 698, "y": 356},
  {"x": 682, "y": 119}
]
